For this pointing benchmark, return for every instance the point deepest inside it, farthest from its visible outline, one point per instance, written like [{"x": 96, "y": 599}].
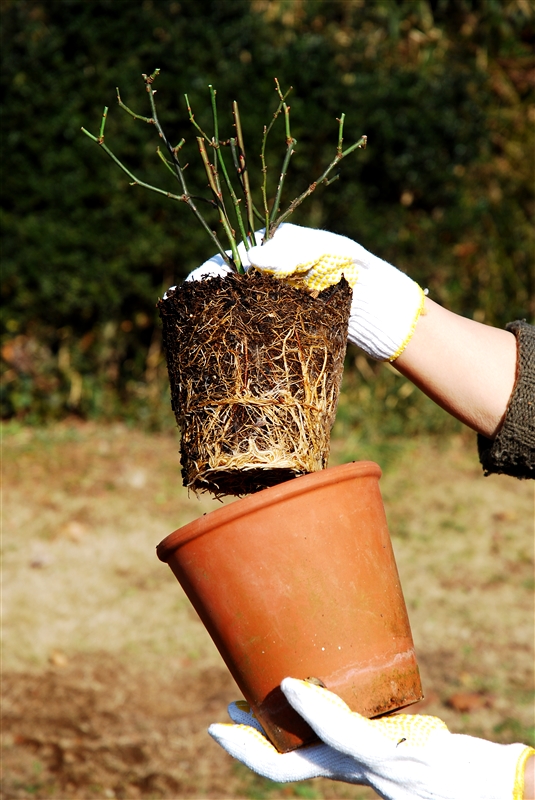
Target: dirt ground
[{"x": 109, "y": 680}]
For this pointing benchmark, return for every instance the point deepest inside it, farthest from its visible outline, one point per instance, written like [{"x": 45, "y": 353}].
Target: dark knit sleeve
[{"x": 512, "y": 452}]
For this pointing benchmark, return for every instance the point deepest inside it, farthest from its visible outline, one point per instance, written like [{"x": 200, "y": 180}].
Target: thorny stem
[
  {"x": 213, "y": 174},
  {"x": 137, "y": 182},
  {"x": 103, "y": 123},
  {"x": 267, "y": 130},
  {"x": 213, "y": 181},
  {"x": 243, "y": 171},
  {"x": 236, "y": 162},
  {"x": 340, "y": 133},
  {"x": 216, "y": 144},
  {"x": 166, "y": 161},
  {"x": 178, "y": 171},
  {"x": 214, "y": 114},
  {"x": 193, "y": 120},
  {"x": 238, "y": 154},
  {"x": 235, "y": 200},
  {"x": 170, "y": 167},
  {"x": 149, "y": 80},
  {"x": 290, "y": 147},
  {"x": 276, "y": 205},
  {"x": 322, "y": 179}
]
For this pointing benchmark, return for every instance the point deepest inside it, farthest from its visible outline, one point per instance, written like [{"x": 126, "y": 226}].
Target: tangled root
[{"x": 255, "y": 367}]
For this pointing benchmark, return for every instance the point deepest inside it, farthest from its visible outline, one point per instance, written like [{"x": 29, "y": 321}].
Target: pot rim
[{"x": 267, "y": 497}]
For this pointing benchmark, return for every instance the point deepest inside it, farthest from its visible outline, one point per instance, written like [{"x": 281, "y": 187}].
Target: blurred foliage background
[{"x": 444, "y": 90}]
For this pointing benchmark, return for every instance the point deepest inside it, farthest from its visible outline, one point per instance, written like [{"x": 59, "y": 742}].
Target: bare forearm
[
  {"x": 466, "y": 367},
  {"x": 529, "y": 780}
]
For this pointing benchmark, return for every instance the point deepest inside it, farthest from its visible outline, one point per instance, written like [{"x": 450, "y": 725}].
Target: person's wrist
[
  {"x": 385, "y": 310},
  {"x": 529, "y": 777}
]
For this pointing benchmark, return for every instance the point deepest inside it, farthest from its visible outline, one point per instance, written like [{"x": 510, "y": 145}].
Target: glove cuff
[
  {"x": 518, "y": 789},
  {"x": 385, "y": 309}
]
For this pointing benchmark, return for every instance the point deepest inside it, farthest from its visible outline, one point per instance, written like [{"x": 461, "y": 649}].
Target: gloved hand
[
  {"x": 386, "y": 303},
  {"x": 402, "y": 757},
  {"x": 217, "y": 267}
]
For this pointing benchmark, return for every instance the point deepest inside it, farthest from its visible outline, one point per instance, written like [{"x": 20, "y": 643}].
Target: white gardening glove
[
  {"x": 386, "y": 303},
  {"x": 217, "y": 266},
  {"x": 402, "y": 757}
]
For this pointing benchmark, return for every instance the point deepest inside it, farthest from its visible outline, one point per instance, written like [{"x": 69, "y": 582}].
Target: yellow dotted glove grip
[
  {"x": 317, "y": 275},
  {"x": 415, "y": 729}
]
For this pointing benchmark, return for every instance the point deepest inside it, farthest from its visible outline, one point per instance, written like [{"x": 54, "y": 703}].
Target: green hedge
[{"x": 444, "y": 189}]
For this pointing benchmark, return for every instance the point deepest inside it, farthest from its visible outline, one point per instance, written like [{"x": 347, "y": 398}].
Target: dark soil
[
  {"x": 110, "y": 680},
  {"x": 255, "y": 367},
  {"x": 94, "y": 724}
]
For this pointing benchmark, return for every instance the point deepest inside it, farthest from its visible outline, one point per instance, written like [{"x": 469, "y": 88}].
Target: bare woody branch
[{"x": 219, "y": 179}]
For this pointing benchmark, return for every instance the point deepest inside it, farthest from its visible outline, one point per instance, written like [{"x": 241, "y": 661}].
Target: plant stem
[
  {"x": 276, "y": 204},
  {"x": 103, "y": 123},
  {"x": 180, "y": 174},
  {"x": 340, "y": 133},
  {"x": 133, "y": 114},
  {"x": 137, "y": 182},
  {"x": 267, "y": 130},
  {"x": 234, "y": 198},
  {"x": 193, "y": 120},
  {"x": 213, "y": 181},
  {"x": 243, "y": 172},
  {"x": 245, "y": 221},
  {"x": 185, "y": 196},
  {"x": 166, "y": 161},
  {"x": 216, "y": 144},
  {"x": 322, "y": 179},
  {"x": 290, "y": 147},
  {"x": 236, "y": 162}
]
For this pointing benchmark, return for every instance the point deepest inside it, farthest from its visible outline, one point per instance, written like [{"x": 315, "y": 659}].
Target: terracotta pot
[{"x": 300, "y": 580}]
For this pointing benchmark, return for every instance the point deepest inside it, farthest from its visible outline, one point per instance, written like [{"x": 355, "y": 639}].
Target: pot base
[{"x": 386, "y": 690}]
